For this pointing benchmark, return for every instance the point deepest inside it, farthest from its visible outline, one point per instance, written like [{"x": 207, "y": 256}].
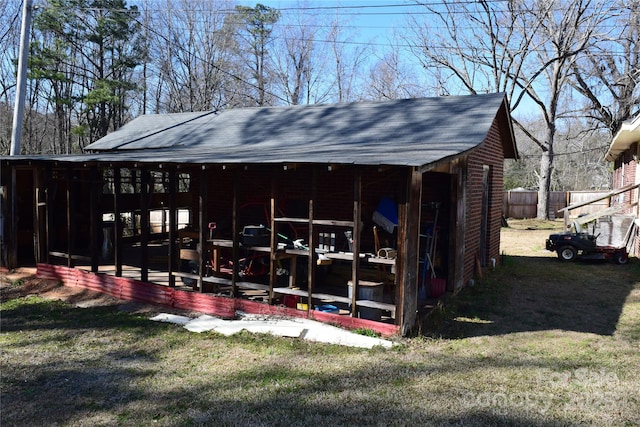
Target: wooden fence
[{"x": 524, "y": 204}]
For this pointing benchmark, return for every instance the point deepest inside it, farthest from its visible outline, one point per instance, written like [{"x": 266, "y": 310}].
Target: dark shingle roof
[{"x": 408, "y": 132}]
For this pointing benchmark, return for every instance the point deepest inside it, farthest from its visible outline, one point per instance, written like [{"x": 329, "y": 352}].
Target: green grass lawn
[{"x": 536, "y": 342}]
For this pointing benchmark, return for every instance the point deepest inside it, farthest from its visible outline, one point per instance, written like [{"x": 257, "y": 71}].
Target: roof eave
[{"x": 628, "y": 134}]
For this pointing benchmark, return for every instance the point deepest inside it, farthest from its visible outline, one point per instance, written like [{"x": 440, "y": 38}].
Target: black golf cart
[{"x": 571, "y": 245}]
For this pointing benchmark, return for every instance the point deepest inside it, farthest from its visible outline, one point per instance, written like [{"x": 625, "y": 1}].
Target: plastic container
[
  {"x": 371, "y": 291},
  {"x": 328, "y": 308}
]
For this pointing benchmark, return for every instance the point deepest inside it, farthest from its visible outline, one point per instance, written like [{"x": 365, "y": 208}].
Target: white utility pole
[{"x": 18, "y": 112}]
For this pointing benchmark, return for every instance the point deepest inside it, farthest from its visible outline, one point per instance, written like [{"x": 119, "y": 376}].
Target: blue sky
[{"x": 372, "y": 20}]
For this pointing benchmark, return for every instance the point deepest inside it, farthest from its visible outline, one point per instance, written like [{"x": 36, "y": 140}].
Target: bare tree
[
  {"x": 348, "y": 61},
  {"x": 607, "y": 72},
  {"x": 189, "y": 55},
  {"x": 526, "y": 49},
  {"x": 9, "y": 42},
  {"x": 300, "y": 59},
  {"x": 567, "y": 29},
  {"x": 389, "y": 78}
]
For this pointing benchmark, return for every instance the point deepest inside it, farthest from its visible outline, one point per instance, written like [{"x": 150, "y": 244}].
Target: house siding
[{"x": 626, "y": 173}]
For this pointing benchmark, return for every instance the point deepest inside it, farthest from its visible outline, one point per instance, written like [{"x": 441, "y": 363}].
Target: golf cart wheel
[
  {"x": 567, "y": 253},
  {"x": 621, "y": 258}
]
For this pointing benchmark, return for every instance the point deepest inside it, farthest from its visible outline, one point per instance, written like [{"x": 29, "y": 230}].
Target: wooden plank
[
  {"x": 203, "y": 223},
  {"x": 66, "y": 256},
  {"x": 379, "y": 305},
  {"x": 118, "y": 246},
  {"x": 95, "y": 218},
  {"x": 48, "y": 211},
  {"x": 273, "y": 236},
  {"x": 217, "y": 280},
  {"x": 312, "y": 239},
  {"x": 289, "y": 219},
  {"x": 355, "y": 263},
  {"x": 172, "y": 263},
  {"x": 305, "y": 294},
  {"x": 330, "y": 297},
  {"x": 605, "y": 196},
  {"x": 70, "y": 208},
  {"x": 291, "y": 291},
  {"x": 609, "y": 211},
  {"x": 324, "y": 222},
  {"x": 252, "y": 285},
  {"x": 235, "y": 230},
  {"x": 145, "y": 195},
  {"x": 461, "y": 208},
  {"x": 409, "y": 304},
  {"x": 12, "y": 249},
  {"x": 333, "y": 222}
]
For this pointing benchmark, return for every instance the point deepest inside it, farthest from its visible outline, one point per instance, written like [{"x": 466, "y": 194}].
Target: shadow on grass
[
  {"x": 118, "y": 369},
  {"x": 132, "y": 388},
  {"x": 537, "y": 294}
]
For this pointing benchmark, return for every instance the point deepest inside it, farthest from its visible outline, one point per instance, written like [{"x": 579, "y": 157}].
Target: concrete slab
[
  {"x": 172, "y": 318},
  {"x": 284, "y": 327},
  {"x": 203, "y": 323}
]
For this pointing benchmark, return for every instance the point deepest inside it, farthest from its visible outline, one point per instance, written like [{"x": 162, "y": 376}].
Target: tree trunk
[{"x": 544, "y": 181}]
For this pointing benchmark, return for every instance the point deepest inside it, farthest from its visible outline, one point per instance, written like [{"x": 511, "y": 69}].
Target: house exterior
[
  {"x": 624, "y": 152},
  {"x": 280, "y": 200}
]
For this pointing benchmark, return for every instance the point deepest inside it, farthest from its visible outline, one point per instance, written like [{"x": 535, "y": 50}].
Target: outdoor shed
[
  {"x": 360, "y": 214},
  {"x": 624, "y": 152}
]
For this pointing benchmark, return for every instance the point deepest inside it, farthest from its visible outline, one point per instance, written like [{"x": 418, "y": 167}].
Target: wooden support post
[
  {"x": 203, "y": 228},
  {"x": 38, "y": 235},
  {"x": 409, "y": 242},
  {"x": 95, "y": 217},
  {"x": 461, "y": 223},
  {"x": 48, "y": 211},
  {"x": 312, "y": 240},
  {"x": 145, "y": 194},
  {"x": 274, "y": 235},
  {"x": 173, "y": 227},
  {"x": 12, "y": 249},
  {"x": 235, "y": 251},
  {"x": 355, "y": 264},
  {"x": 117, "y": 223},
  {"x": 69, "y": 212}
]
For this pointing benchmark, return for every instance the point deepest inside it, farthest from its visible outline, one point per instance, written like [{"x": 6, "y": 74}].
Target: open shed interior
[{"x": 277, "y": 234}]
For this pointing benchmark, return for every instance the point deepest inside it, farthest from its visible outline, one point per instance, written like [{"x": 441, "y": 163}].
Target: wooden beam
[
  {"x": 274, "y": 235},
  {"x": 38, "y": 231},
  {"x": 69, "y": 212},
  {"x": 48, "y": 211},
  {"x": 461, "y": 223},
  {"x": 597, "y": 199},
  {"x": 355, "y": 236},
  {"x": 12, "y": 249},
  {"x": 411, "y": 248},
  {"x": 118, "y": 248},
  {"x": 312, "y": 241},
  {"x": 235, "y": 230},
  {"x": 203, "y": 225},
  {"x": 145, "y": 191},
  {"x": 173, "y": 227},
  {"x": 95, "y": 219}
]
